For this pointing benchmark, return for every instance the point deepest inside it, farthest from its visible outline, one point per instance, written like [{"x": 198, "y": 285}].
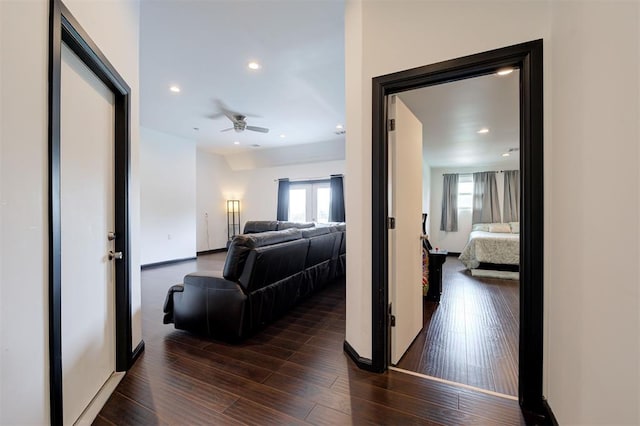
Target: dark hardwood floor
[
  {"x": 293, "y": 372},
  {"x": 471, "y": 336}
]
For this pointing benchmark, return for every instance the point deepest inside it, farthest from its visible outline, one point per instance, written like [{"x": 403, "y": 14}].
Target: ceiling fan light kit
[{"x": 239, "y": 120}]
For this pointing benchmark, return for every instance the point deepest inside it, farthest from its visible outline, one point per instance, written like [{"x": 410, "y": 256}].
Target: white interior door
[
  {"x": 87, "y": 216},
  {"x": 405, "y": 205}
]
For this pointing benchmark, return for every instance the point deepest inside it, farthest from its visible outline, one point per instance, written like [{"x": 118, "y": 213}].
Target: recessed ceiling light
[
  {"x": 236, "y": 143},
  {"x": 483, "y": 131},
  {"x": 254, "y": 65},
  {"x": 506, "y": 154},
  {"x": 174, "y": 89},
  {"x": 283, "y": 136},
  {"x": 339, "y": 126},
  {"x": 505, "y": 71}
]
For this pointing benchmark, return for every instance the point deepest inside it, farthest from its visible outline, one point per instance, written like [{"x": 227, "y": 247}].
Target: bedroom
[{"x": 470, "y": 148}]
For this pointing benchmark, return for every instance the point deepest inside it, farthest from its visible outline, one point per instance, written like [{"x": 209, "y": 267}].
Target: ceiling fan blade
[
  {"x": 225, "y": 111},
  {"x": 258, "y": 129},
  {"x": 226, "y": 130}
]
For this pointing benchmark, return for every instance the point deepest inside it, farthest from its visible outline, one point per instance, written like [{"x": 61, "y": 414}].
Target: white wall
[
  {"x": 261, "y": 189},
  {"x": 592, "y": 286},
  {"x": 215, "y": 183},
  {"x": 318, "y": 152},
  {"x": 455, "y": 241},
  {"x": 256, "y": 189},
  {"x": 459, "y": 31},
  {"x": 24, "y": 371},
  {"x": 167, "y": 197},
  {"x": 591, "y": 145}
]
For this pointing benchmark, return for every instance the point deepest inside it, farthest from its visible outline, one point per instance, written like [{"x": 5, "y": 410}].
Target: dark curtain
[
  {"x": 283, "y": 200},
  {"x": 336, "y": 206},
  {"x": 449, "y": 216},
  {"x": 486, "y": 208},
  {"x": 511, "y": 200}
]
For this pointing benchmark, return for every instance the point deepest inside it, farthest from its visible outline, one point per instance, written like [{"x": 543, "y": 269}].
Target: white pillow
[
  {"x": 480, "y": 227},
  {"x": 515, "y": 227},
  {"x": 500, "y": 227}
]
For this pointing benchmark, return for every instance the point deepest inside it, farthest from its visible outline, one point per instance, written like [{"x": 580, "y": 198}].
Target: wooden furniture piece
[{"x": 436, "y": 260}]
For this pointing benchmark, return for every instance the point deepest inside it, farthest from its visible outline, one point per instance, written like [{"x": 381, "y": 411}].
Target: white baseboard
[{"x": 93, "y": 409}]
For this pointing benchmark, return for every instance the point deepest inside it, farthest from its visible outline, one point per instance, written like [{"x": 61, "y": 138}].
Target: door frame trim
[
  {"x": 528, "y": 57},
  {"x": 64, "y": 28}
]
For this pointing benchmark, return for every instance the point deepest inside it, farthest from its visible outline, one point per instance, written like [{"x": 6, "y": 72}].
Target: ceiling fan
[{"x": 239, "y": 120}]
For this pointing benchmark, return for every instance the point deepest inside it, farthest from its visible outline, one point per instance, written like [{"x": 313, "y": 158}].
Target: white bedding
[{"x": 490, "y": 247}]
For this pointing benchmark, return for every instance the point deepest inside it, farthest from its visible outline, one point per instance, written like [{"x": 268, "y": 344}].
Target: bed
[{"x": 493, "y": 246}]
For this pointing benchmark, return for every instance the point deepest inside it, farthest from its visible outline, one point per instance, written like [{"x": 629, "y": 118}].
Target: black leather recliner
[{"x": 265, "y": 274}]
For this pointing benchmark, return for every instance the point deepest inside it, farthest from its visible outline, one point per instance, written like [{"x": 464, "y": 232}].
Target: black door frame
[
  {"x": 528, "y": 58},
  {"x": 64, "y": 28}
]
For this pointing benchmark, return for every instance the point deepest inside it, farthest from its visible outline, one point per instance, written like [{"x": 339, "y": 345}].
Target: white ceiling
[
  {"x": 204, "y": 48},
  {"x": 452, "y": 113}
]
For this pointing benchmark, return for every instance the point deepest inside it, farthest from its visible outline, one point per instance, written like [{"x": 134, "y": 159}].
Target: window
[
  {"x": 323, "y": 199},
  {"x": 465, "y": 192},
  {"x": 298, "y": 205},
  {"x": 309, "y": 202}
]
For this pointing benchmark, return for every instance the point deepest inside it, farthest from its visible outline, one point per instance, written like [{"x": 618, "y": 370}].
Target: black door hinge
[
  {"x": 391, "y": 223},
  {"x": 392, "y": 318},
  {"x": 392, "y": 124}
]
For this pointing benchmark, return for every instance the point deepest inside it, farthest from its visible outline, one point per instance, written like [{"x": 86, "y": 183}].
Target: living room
[
  {"x": 184, "y": 190},
  {"x": 289, "y": 87}
]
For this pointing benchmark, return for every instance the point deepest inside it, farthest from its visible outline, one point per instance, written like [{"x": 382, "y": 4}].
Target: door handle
[{"x": 115, "y": 255}]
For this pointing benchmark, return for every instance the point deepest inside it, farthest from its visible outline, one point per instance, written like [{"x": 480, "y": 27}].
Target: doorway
[
  {"x": 527, "y": 57},
  {"x": 101, "y": 168},
  {"x": 467, "y": 185}
]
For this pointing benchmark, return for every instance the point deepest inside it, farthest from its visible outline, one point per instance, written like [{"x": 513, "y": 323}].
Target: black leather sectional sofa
[{"x": 267, "y": 271}]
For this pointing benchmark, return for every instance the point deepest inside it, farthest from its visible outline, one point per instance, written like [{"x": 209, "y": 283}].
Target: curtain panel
[
  {"x": 336, "y": 205},
  {"x": 486, "y": 208},
  {"x": 511, "y": 200},
  {"x": 449, "y": 217},
  {"x": 283, "y": 200}
]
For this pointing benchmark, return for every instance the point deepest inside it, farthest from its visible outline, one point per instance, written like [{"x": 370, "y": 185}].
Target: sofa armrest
[
  {"x": 168, "y": 303},
  {"x": 210, "y": 304},
  {"x": 208, "y": 279}
]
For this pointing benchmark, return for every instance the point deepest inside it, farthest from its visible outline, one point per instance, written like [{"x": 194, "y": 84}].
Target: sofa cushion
[
  {"x": 255, "y": 226},
  {"x": 272, "y": 263},
  {"x": 321, "y": 249},
  {"x": 242, "y": 245},
  {"x": 298, "y": 225},
  {"x": 273, "y": 237},
  {"x": 314, "y": 232}
]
